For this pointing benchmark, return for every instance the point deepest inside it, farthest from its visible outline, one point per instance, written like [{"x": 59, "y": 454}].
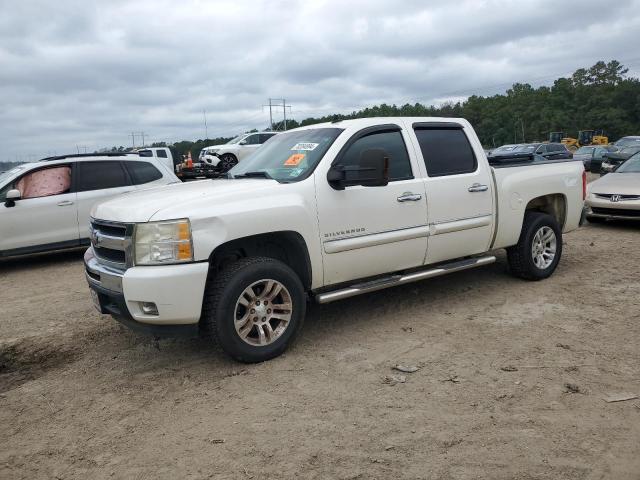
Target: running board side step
[{"x": 396, "y": 280}]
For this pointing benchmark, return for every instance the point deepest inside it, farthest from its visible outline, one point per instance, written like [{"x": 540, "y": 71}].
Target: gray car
[{"x": 592, "y": 156}]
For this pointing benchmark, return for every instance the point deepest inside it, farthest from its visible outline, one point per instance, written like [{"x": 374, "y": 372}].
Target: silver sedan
[{"x": 616, "y": 195}]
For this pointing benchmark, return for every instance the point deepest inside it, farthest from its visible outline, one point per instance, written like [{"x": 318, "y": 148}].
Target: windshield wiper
[{"x": 256, "y": 174}]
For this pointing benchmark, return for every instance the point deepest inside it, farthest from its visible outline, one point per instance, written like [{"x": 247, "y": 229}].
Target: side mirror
[
  {"x": 243, "y": 142},
  {"x": 12, "y": 197},
  {"x": 372, "y": 170}
]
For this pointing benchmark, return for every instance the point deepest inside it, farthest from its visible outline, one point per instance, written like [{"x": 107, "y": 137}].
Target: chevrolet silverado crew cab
[{"x": 325, "y": 212}]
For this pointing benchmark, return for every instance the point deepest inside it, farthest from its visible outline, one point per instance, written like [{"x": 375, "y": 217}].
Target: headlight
[{"x": 166, "y": 242}]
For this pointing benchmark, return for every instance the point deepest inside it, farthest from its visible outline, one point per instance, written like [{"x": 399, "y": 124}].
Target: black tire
[
  {"x": 591, "y": 219},
  {"x": 227, "y": 162},
  {"x": 223, "y": 292},
  {"x": 520, "y": 257}
]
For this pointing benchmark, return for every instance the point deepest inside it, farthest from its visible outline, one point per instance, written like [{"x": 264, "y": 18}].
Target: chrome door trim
[
  {"x": 373, "y": 239},
  {"x": 460, "y": 224}
]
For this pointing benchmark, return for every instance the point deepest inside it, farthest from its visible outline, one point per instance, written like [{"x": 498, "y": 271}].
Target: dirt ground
[{"x": 511, "y": 381}]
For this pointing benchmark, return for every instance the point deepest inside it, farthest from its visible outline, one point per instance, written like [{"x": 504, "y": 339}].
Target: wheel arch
[
  {"x": 554, "y": 204},
  {"x": 287, "y": 246}
]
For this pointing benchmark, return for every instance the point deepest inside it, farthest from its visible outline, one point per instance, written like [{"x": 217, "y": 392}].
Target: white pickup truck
[{"x": 325, "y": 212}]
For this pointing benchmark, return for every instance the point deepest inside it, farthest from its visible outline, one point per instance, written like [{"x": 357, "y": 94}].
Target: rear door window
[
  {"x": 101, "y": 175},
  {"x": 142, "y": 172},
  {"x": 446, "y": 151}
]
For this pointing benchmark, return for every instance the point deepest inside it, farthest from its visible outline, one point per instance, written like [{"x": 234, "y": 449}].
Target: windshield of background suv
[
  {"x": 630, "y": 166},
  {"x": 4, "y": 176},
  {"x": 289, "y": 157},
  {"x": 10, "y": 173}
]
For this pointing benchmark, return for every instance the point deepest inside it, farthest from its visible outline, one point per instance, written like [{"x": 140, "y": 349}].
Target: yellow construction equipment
[
  {"x": 585, "y": 137},
  {"x": 592, "y": 137}
]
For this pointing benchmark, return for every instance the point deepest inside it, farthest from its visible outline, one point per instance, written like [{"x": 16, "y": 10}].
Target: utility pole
[
  {"x": 206, "y": 131},
  {"x": 133, "y": 139},
  {"x": 142, "y": 135},
  {"x": 284, "y": 113},
  {"x": 270, "y": 114},
  {"x": 284, "y": 110}
]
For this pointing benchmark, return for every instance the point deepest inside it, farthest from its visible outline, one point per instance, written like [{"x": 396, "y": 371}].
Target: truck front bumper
[{"x": 176, "y": 291}]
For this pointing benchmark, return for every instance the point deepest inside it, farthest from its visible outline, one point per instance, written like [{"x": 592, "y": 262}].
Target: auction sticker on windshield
[
  {"x": 294, "y": 159},
  {"x": 305, "y": 146}
]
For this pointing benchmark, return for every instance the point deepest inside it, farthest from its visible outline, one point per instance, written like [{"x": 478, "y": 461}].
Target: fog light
[{"x": 149, "y": 308}]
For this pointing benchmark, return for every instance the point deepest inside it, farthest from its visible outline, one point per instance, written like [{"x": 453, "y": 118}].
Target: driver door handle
[
  {"x": 409, "y": 197},
  {"x": 66, "y": 203},
  {"x": 476, "y": 187}
]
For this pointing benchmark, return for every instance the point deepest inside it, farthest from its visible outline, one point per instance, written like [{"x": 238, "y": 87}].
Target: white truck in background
[
  {"x": 162, "y": 155},
  {"x": 325, "y": 212}
]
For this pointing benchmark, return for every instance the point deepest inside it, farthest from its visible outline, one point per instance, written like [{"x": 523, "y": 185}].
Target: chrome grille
[
  {"x": 111, "y": 242},
  {"x": 620, "y": 196}
]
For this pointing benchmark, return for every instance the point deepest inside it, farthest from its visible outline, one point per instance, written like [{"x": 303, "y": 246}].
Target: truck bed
[{"x": 518, "y": 180}]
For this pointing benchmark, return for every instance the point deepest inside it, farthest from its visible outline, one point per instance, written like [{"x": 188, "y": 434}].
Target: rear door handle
[
  {"x": 66, "y": 203},
  {"x": 476, "y": 187},
  {"x": 409, "y": 197}
]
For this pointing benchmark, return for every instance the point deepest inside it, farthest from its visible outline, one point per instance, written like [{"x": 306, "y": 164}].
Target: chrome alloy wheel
[
  {"x": 543, "y": 247},
  {"x": 263, "y": 312}
]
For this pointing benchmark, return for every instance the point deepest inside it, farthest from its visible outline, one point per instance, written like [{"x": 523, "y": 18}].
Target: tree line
[{"x": 602, "y": 97}]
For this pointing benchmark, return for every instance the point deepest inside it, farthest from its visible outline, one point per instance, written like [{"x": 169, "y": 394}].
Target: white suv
[
  {"x": 225, "y": 156},
  {"x": 45, "y": 205}
]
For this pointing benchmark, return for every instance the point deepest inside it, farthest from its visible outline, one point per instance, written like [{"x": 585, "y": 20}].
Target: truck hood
[
  {"x": 142, "y": 205},
  {"x": 620, "y": 183}
]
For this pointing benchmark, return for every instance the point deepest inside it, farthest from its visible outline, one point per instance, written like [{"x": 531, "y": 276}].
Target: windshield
[
  {"x": 524, "y": 148},
  {"x": 584, "y": 150},
  {"x": 630, "y": 150},
  {"x": 291, "y": 156},
  {"x": 238, "y": 139},
  {"x": 630, "y": 166},
  {"x": 504, "y": 148},
  {"x": 10, "y": 173},
  {"x": 628, "y": 141}
]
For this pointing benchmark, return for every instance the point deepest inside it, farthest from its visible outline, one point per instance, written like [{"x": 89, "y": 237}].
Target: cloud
[{"x": 89, "y": 73}]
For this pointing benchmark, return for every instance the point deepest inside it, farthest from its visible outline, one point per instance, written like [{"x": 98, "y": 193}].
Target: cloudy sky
[{"x": 85, "y": 74}]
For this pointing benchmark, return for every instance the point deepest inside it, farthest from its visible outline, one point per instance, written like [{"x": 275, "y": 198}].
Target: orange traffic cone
[{"x": 189, "y": 160}]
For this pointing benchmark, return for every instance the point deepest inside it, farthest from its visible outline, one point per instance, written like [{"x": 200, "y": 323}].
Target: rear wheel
[
  {"x": 254, "y": 308},
  {"x": 539, "y": 248}
]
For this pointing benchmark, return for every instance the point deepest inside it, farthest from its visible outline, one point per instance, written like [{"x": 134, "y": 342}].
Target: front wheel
[
  {"x": 254, "y": 308},
  {"x": 227, "y": 162},
  {"x": 539, "y": 248}
]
